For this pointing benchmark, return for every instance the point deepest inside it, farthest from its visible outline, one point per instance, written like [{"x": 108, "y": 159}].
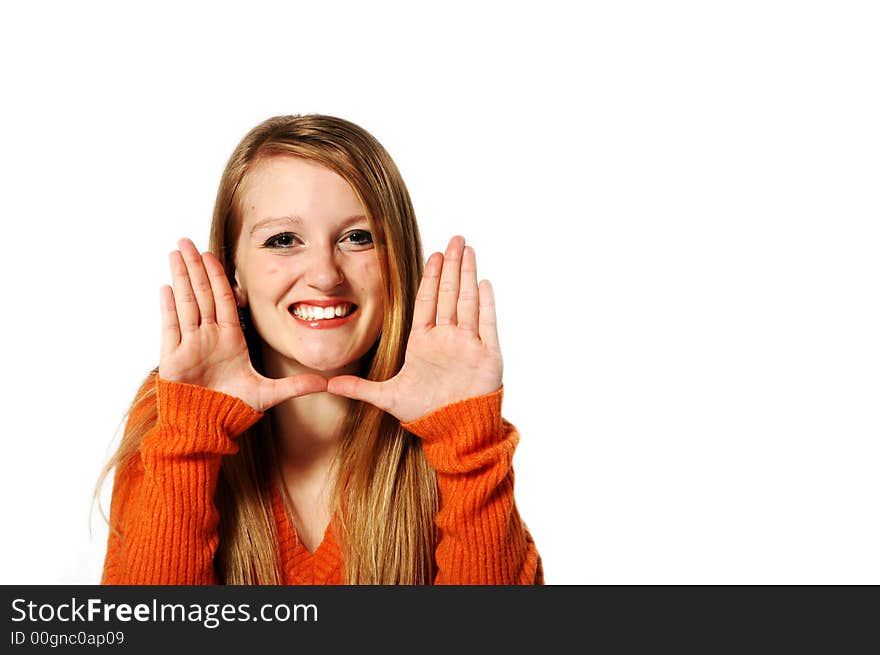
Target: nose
[{"x": 323, "y": 272}]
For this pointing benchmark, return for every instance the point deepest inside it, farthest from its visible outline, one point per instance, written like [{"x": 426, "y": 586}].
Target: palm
[
  {"x": 202, "y": 341},
  {"x": 452, "y": 353}
]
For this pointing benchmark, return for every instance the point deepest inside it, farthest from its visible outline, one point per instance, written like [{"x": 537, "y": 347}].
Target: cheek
[
  {"x": 371, "y": 282},
  {"x": 263, "y": 279}
]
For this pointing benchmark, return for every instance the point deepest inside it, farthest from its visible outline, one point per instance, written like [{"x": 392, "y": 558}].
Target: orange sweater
[{"x": 163, "y": 500}]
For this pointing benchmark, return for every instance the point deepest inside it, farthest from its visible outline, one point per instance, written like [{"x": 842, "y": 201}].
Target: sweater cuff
[
  {"x": 198, "y": 420},
  {"x": 476, "y": 417},
  {"x": 466, "y": 435}
]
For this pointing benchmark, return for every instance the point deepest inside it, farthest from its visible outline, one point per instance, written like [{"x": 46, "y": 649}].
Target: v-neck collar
[{"x": 299, "y": 565}]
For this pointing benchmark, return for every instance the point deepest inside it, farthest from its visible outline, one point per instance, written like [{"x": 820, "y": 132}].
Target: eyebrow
[{"x": 297, "y": 220}]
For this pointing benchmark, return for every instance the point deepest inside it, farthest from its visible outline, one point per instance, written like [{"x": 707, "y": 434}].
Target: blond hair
[{"x": 385, "y": 499}]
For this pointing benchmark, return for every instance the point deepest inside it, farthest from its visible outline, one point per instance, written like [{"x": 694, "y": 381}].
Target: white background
[{"x": 676, "y": 202}]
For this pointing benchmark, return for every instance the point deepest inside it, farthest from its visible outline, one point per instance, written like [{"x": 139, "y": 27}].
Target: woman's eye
[
  {"x": 283, "y": 240},
  {"x": 359, "y": 238}
]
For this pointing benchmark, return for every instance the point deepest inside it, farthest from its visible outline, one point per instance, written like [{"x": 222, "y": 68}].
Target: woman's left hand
[{"x": 453, "y": 351}]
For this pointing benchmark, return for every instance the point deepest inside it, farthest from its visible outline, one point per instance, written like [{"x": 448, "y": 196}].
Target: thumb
[
  {"x": 277, "y": 391},
  {"x": 351, "y": 386}
]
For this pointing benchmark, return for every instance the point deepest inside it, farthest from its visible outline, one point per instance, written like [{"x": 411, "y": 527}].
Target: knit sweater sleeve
[
  {"x": 483, "y": 540},
  {"x": 163, "y": 519}
]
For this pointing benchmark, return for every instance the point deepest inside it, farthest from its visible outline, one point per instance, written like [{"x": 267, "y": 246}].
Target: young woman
[{"x": 324, "y": 411}]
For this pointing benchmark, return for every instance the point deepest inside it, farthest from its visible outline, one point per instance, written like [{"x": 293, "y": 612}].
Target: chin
[{"x": 325, "y": 363}]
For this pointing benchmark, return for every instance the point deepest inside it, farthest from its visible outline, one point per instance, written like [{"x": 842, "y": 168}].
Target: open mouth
[{"x": 311, "y": 313}]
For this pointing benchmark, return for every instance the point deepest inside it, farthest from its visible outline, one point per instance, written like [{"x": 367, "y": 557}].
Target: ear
[{"x": 239, "y": 292}]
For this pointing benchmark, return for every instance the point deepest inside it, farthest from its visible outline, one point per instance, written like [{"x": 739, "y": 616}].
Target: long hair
[{"x": 385, "y": 498}]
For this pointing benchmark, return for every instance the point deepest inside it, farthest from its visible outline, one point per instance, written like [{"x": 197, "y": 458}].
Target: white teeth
[{"x": 310, "y": 313}]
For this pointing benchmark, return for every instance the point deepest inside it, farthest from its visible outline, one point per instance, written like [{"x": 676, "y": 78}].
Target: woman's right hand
[{"x": 202, "y": 340}]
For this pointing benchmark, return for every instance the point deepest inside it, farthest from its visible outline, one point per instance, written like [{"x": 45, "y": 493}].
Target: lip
[{"x": 326, "y": 323}]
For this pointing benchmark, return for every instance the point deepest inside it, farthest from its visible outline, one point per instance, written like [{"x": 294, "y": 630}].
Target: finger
[
  {"x": 351, "y": 386},
  {"x": 277, "y": 391},
  {"x": 199, "y": 280},
  {"x": 184, "y": 299},
  {"x": 300, "y": 385},
  {"x": 170, "y": 326},
  {"x": 488, "y": 323},
  {"x": 447, "y": 296},
  {"x": 425, "y": 312},
  {"x": 468, "y": 295},
  {"x": 224, "y": 299}
]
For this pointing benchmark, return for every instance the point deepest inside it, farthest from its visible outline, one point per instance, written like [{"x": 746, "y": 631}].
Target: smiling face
[{"x": 306, "y": 268}]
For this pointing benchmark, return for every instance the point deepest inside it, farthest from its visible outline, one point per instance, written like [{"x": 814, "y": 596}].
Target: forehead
[{"x": 287, "y": 186}]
